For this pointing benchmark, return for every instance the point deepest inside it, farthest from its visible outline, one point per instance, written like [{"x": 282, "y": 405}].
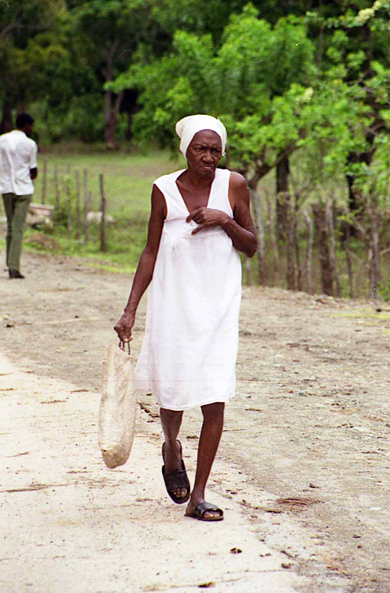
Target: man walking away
[{"x": 18, "y": 167}]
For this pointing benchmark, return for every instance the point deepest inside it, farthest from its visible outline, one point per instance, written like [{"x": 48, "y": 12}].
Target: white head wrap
[{"x": 187, "y": 127}]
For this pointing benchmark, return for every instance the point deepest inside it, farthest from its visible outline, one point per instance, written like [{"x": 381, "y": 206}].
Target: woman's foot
[
  {"x": 203, "y": 511},
  {"x": 174, "y": 473}
]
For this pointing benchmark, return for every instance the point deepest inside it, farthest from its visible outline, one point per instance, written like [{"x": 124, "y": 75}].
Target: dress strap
[
  {"x": 174, "y": 202},
  {"x": 221, "y": 192}
]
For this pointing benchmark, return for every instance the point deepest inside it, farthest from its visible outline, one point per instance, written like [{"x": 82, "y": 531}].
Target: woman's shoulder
[
  {"x": 223, "y": 172},
  {"x": 234, "y": 177},
  {"x": 237, "y": 181},
  {"x": 167, "y": 179}
]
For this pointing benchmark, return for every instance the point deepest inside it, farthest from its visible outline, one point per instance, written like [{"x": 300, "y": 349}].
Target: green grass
[{"x": 128, "y": 178}]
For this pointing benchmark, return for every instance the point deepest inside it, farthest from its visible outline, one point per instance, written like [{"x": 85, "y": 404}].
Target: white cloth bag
[{"x": 117, "y": 408}]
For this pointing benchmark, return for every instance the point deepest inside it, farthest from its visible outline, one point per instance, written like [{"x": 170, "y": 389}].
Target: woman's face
[{"x": 204, "y": 153}]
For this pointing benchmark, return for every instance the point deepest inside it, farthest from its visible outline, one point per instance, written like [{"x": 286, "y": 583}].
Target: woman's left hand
[{"x": 206, "y": 218}]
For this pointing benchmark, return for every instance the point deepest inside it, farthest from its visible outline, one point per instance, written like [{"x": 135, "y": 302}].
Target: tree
[
  {"x": 240, "y": 82},
  {"x": 111, "y": 32},
  {"x": 24, "y": 27},
  {"x": 356, "y": 42},
  {"x": 264, "y": 84}
]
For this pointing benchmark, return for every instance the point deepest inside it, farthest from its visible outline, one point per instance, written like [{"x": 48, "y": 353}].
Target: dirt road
[{"x": 303, "y": 469}]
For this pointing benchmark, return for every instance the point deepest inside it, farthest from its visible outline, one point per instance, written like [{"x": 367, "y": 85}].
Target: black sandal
[
  {"x": 205, "y": 507},
  {"x": 176, "y": 479}
]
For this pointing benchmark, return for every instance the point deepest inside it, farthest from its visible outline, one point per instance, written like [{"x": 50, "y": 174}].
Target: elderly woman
[{"x": 200, "y": 219}]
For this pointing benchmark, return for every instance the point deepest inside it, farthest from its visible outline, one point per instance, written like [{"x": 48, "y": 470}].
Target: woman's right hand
[{"x": 124, "y": 327}]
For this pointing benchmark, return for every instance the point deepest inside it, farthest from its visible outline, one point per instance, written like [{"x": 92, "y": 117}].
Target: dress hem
[{"x": 213, "y": 400}]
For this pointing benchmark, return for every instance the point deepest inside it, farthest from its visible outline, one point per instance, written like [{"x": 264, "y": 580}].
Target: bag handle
[{"x": 122, "y": 346}]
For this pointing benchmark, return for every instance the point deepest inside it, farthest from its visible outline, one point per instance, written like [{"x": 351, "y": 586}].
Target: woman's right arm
[{"x": 145, "y": 268}]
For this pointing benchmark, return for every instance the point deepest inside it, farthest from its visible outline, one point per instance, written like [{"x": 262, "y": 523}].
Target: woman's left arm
[{"x": 240, "y": 228}]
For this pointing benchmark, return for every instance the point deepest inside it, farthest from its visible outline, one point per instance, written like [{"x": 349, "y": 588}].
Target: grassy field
[{"x": 128, "y": 179}]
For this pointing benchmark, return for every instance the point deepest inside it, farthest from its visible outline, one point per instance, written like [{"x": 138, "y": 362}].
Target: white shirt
[{"x": 18, "y": 154}]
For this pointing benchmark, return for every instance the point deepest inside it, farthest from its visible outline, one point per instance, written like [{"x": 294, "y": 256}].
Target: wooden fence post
[
  {"x": 86, "y": 200},
  {"x": 290, "y": 223},
  {"x": 56, "y": 188},
  {"x": 69, "y": 205},
  {"x": 273, "y": 239},
  {"x": 85, "y": 182},
  {"x": 372, "y": 209},
  {"x": 103, "y": 246},
  {"x": 348, "y": 255},
  {"x": 299, "y": 276},
  {"x": 44, "y": 177},
  {"x": 309, "y": 252},
  {"x": 78, "y": 221},
  {"x": 332, "y": 250}
]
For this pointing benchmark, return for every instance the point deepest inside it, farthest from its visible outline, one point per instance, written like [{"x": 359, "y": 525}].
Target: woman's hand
[
  {"x": 124, "y": 327},
  {"x": 206, "y": 218}
]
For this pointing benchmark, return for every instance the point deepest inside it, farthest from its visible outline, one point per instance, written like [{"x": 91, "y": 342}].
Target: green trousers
[{"x": 16, "y": 208}]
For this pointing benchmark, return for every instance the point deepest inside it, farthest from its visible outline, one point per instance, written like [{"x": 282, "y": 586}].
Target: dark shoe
[
  {"x": 15, "y": 274},
  {"x": 205, "y": 507},
  {"x": 176, "y": 479}
]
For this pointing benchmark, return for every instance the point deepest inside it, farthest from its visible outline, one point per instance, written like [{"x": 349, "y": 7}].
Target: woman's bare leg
[
  {"x": 210, "y": 436},
  {"x": 171, "y": 422}
]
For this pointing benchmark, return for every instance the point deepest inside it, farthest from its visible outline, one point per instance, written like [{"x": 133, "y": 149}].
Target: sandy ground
[{"x": 302, "y": 472}]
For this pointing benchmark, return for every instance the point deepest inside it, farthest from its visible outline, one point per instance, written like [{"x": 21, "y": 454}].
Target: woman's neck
[{"x": 193, "y": 178}]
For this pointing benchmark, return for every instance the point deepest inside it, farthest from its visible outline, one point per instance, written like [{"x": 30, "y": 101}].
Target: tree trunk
[
  {"x": 372, "y": 207},
  {"x": 355, "y": 200},
  {"x": 130, "y": 107},
  {"x": 273, "y": 241},
  {"x": 6, "y": 124},
  {"x": 348, "y": 256},
  {"x": 371, "y": 132},
  {"x": 248, "y": 271},
  {"x": 290, "y": 276},
  {"x": 353, "y": 195},
  {"x": 332, "y": 249},
  {"x": 112, "y": 103},
  {"x": 296, "y": 244},
  {"x": 282, "y": 192},
  {"x": 111, "y": 113},
  {"x": 297, "y": 255},
  {"x": 130, "y": 117},
  {"x": 258, "y": 221},
  {"x": 309, "y": 252},
  {"x": 320, "y": 222},
  {"x": 129, "y": 129}
]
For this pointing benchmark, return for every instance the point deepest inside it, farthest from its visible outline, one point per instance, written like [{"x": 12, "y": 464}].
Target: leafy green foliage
[
  {"x": 270, "y": 89},
  {"x": 30, "y": 47},
  {"x": 252, "y": 82}
]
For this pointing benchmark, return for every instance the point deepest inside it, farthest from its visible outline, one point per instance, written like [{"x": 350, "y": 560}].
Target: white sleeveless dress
[{"x": 189, "y": 351}]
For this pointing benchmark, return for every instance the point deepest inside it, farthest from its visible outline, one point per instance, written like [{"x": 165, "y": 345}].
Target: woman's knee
[
  {"x": 169, "y": 417},
  {"x": 213, "y": 412}
]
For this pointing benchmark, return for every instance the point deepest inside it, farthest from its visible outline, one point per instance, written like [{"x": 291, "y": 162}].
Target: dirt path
[{"x": 303, "y": 469}]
